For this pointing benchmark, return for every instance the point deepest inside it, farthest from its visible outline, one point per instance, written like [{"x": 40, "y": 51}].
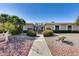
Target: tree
[
  {"x": 1, "y": 28},
  {"x": 11, "y": 23},
  {"x": 9, "y": 27},
  {"x": 4, "y": 17},
  {"x": 16, "y": 20},
  {"x": 13, "y": 19},
  {"x": 77, "y": 21}
]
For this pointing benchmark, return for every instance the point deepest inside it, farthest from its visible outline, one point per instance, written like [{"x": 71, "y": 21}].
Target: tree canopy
[
  {"x": 77, "y": 21},
  {"x": 13, "y": 19},
  {"x": 11, "y": 23}
]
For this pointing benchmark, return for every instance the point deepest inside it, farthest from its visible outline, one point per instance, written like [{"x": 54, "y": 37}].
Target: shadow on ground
[
  {"x": 68, "y": 42},
  {"x": 13, "y": 39}
]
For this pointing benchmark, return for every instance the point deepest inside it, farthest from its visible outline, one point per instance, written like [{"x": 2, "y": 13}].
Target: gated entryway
[{"x": 39, "y": 28}]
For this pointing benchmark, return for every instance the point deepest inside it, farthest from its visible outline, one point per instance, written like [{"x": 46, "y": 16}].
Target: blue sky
[{"x": 45, "y": 12}]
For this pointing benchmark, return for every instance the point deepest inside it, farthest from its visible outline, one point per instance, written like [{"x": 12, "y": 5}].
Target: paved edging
[{"x": 39, "y": 47}]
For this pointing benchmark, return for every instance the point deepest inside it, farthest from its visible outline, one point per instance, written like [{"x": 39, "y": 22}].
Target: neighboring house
[{"x": 52, "y": 26}]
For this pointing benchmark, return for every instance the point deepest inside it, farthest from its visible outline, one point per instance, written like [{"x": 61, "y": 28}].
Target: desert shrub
[
  {"x": 61, "y": 38},
  {"x": 31, "y": 33},
  {"x": 47, "y": 33}
]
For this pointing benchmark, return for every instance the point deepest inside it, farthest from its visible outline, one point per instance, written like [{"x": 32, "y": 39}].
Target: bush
[
  {"x": 2, "y": 28},
  {"x": 16, "y": 31},
  {"x": 61, "y": 38},
  {"x": 47, "y": 33},
  {"x": 31, "y": 33}
]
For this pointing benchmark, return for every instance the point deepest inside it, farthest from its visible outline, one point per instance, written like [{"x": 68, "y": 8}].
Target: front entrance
[
  {"x": 39, "y": 29},
  {"x": 69, "y": 27}
]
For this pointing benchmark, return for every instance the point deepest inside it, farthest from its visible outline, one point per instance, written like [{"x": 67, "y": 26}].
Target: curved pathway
[{"x": 39, "y": 47}]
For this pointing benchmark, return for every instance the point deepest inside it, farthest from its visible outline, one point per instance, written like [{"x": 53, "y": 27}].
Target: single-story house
[
  {"x": 62, "y": 26},
  {"x": 52, "y": 26}
]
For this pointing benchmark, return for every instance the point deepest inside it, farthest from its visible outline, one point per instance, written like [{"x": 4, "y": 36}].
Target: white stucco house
[
  {"x": 51, "y": 26},
  {"x": 28, "y": 26},
  {"x": 62, "y": 26}
]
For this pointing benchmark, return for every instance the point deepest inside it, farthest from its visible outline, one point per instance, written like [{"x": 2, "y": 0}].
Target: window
[
  {"x": 56, "y": 27},
  {"x": 69, "y": 27}
]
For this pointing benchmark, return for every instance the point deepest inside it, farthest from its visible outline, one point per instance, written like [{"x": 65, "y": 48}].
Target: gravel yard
[
  {"x": 58, "y": 48},
  {"x": 17, "y": 46}
]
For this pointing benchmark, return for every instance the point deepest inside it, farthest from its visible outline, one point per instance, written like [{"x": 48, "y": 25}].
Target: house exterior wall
[
  {"x": 26, "y": 27},
  {"x": 78, "y": 28},
  {"x": 52, "y": 26},
  {"x": 75, "y": 28},
  {"x": 49, "y": 26},
  {"x": 63, "y": 27}
]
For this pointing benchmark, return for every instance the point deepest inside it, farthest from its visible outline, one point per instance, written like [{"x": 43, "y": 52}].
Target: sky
[{"x": 42, "y": 12}]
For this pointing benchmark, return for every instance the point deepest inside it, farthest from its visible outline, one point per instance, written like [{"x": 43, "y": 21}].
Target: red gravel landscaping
[
  {"x": 57, "y": 48},
  {"x": 16, "y": 47}
]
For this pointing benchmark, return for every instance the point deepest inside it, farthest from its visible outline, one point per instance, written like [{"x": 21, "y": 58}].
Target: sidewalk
[{"x": 39, "y": 47}]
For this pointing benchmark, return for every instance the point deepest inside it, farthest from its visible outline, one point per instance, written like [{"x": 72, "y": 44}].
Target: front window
[
  {"x": 69, "y": 27},
  {"x": 56, "y": 27}
]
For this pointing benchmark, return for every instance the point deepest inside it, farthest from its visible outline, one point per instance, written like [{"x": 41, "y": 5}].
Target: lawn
[{"x": 58, "y": 48}]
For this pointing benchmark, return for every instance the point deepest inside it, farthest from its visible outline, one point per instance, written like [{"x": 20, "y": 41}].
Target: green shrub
[
  {"x": 15, "y": 32},
  {"x": 31, "y": 33},
  {"x": 61, "y": 38},
  {"x": 47, "y": 33}
]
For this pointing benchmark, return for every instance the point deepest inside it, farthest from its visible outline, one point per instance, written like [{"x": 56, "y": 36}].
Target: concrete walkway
[{"x": 39, "y": 47}]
